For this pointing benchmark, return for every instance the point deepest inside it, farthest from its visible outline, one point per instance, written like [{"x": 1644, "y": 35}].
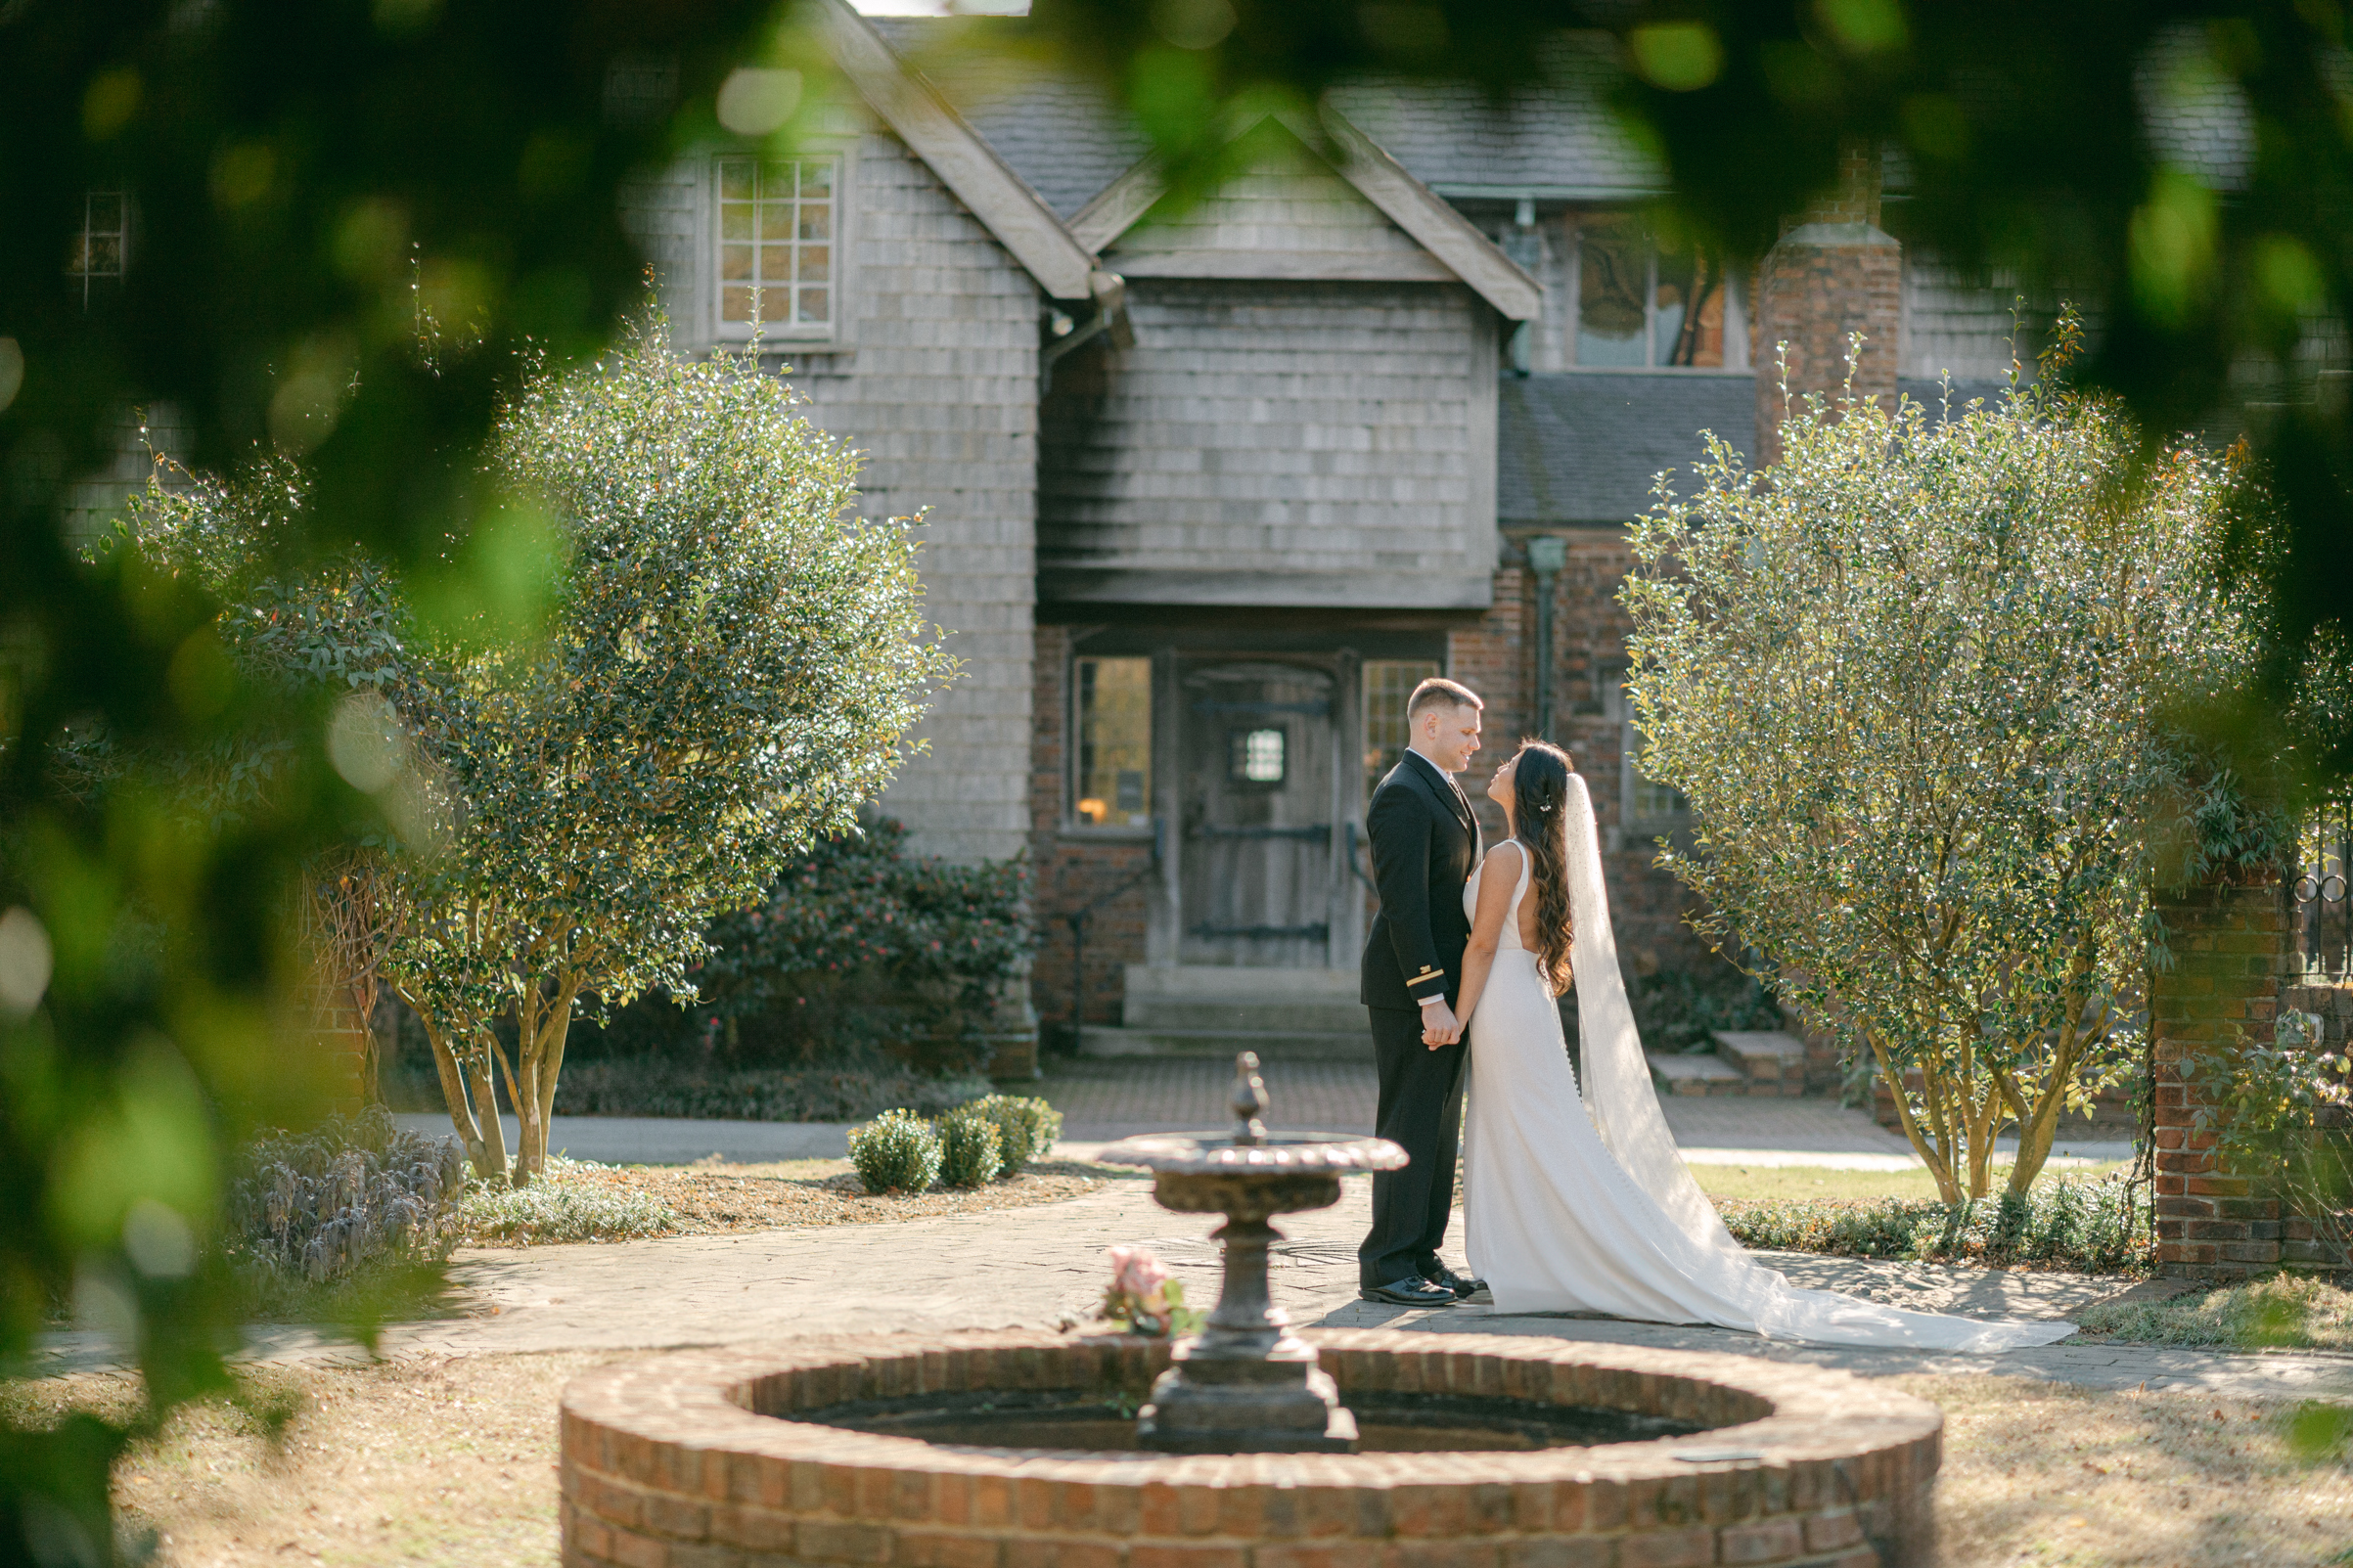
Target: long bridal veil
[
  {"x": 1616, "y": 1075},
  {"x": 1718, "y": 1282}
]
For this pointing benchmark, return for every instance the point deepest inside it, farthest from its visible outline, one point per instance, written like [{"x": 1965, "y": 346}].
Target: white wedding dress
[{"x": 1582, "y": 1204}]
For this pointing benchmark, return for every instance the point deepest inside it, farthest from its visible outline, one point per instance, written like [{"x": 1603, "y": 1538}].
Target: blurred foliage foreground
[
  {"x": 305, "y": 173},
  {"x": 721, "y": 668}
]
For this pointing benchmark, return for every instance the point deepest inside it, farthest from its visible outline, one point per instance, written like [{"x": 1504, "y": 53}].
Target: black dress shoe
[
  {"x": 1461, "y": 1285},
  {"x": 1411, "y": 1291}
]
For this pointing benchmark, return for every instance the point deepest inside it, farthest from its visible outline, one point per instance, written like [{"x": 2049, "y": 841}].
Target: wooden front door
[{"x": 1258, "y": 754}]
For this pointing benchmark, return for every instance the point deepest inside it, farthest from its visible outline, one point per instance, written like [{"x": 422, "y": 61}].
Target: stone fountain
[
  {"x": 1015, "y": 1446},
  {"x": 1246, "y": 1384}
]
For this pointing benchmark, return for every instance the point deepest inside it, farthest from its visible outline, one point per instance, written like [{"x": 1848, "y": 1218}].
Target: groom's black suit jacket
[{"x": 1424, "y": 842}]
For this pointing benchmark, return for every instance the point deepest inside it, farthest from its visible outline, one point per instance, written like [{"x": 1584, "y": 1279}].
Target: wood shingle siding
[
  {"x": 933, "y": 377},
  {"x": 1267, "y": 432}
]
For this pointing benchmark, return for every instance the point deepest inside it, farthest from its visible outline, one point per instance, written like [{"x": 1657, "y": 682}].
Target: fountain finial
[{"x": 1249, "y": 1099}]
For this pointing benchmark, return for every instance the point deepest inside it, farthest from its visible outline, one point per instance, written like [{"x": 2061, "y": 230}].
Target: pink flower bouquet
[{"x": 1141, "y": 1299}]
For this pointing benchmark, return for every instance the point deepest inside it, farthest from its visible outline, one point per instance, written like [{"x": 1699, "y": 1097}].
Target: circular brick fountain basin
[{"x": 704, "y": 1459}]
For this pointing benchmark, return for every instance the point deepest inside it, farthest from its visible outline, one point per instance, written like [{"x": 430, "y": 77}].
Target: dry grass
[
  {"x": 2061, "y": 1477},
  {"x": 709, "y": 1196},
  {"x": 454, "y": 1462},
  {"x": 413, "y": 1462}
]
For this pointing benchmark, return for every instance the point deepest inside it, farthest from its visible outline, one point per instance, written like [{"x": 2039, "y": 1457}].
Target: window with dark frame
[
  {"x": 1113, "y": 776},
  {"x": 1257, "y": 757},
  {"x": 1647, "y": 301},
  {"x": 1388, "y": 683},
  {"x": 103, "y": 246}
]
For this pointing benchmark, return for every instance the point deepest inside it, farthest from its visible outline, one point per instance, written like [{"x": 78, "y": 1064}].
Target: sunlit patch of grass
[
  {"x": 2280, "y": 1312},
  {"x": 1759, "y": 1183}
]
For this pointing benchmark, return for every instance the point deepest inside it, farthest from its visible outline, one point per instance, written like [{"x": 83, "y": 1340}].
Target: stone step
[
  {"x": 1773, "y": 1061},
  {"x": 1272, "y": 1045},
  {"x": 1249, "y": 1013},
  {"x": 1696, "y": 1075},
  {"x": 1201, "y": 999}
]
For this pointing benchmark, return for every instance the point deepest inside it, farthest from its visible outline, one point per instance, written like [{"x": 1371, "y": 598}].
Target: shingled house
[{"x": 1210, "y": 487}]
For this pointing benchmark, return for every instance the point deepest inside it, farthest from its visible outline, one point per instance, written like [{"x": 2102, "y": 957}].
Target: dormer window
[
  {"x": 1645, "y": 302},
  {"x": 778, "y": 222},
  {"x": 103, "y": 245}
]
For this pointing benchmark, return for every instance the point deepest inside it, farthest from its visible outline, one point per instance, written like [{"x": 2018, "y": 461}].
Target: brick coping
[{"x": 667, "y": 1462}]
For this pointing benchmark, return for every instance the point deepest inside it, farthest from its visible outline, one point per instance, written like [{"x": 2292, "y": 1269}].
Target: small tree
[
  {"x": 727, "y": 665},
  {"x": 1913, "y": 680},
  {"x": 731, "y": 660}
]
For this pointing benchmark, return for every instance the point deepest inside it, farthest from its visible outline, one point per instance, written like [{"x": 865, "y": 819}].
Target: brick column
[
  {"x": 1834, "y": 272},
  {"x": 2231, "y": 953}
]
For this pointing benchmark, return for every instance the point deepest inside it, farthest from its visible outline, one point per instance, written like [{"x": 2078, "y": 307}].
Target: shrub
[
  {"x": 1026, "y": 1128},
  {"x": 860, "y": 945},
  {"x": 1680, "y": 1009},
  {"x": 560, "y": 1207},
  {"x": 970, "y": 1146},
  {"x": 1917, "y": 689},
  {"x": 318, "y": 1206},
  {"x": 896, "y": 1152},
  {"x": 2089, "y": 1226}
]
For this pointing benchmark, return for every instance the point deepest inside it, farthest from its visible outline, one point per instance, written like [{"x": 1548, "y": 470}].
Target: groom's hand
[{"x": 1439, "y": 1025}]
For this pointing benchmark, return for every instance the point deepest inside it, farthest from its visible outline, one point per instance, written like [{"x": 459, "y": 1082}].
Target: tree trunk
[
  {"x": 462, "y": 1115},
  {"x": 493, "y": 1163},
  {"x": 556, "y": 1029},
  {"x": 1938, "y": 1166}
]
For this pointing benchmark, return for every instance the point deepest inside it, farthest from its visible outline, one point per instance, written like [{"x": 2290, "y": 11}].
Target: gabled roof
[
  {"x": 1003, "y": 202},
  {"x": 1444, "y": 233},
  {"x": 1070, "y": 140}
]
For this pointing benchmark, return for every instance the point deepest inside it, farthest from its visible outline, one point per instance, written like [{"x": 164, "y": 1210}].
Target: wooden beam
[
  {"x": 966, "y": 165},
  {"x": 1425, "y": 215},
  {"x": 1347, "y": 266}
]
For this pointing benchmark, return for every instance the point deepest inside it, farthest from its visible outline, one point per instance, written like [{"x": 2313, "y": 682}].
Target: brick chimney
[{"x": 1834, "y": 272}]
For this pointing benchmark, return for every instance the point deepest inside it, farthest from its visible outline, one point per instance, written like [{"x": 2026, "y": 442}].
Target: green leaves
[{"x": 1916, "y": 680}]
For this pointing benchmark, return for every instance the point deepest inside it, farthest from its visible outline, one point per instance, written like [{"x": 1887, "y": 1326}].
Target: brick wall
[
  {"x": 1073, "y": 871},
  {"x": 2231, "y": 947},
  {"x": 1834, "y": 273}
]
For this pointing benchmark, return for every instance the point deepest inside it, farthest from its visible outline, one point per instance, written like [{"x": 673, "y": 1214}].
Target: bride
[{"x": 1582, "y": 1204}]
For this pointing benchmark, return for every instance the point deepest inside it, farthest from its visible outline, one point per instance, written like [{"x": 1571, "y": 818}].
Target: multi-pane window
[
  {"x": 1255, "y": 756},
  {"x": 103, "y": 244},
  {"x": 1388, "y": 683},
  {"x": 1649, "y": 804},
  {"x": 778, "y": 224},
  {"x": 1643, "y": 302},
  {"x": 1115, "y": 742}
]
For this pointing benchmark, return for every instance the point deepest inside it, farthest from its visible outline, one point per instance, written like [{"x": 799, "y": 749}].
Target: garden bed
[{"x": 583, "y": 1201}]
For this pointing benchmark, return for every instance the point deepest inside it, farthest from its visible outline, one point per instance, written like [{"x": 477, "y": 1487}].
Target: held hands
[{"x": 1439, "y": 1026}]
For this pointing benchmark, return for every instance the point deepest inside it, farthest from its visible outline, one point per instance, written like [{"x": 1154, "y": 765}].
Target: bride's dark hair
[{"x": 1540, "y": 817}]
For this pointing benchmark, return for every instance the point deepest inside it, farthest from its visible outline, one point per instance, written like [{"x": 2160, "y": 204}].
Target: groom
[{"x": 1425, "y": 844}]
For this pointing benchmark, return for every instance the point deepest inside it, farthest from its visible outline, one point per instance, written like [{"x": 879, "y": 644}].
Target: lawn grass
[
  {"x": 1763, "y": 1183},
  {"x": 2282, "y": 1312},
  {"x": 454, "y": 1460}
]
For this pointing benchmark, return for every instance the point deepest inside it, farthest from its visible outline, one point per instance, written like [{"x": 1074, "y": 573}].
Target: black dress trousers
[{"x": 1421, "y": 1109}]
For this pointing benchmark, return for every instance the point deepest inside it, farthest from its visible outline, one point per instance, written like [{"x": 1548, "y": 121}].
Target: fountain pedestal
[{"x": 1246, "y": 1384}]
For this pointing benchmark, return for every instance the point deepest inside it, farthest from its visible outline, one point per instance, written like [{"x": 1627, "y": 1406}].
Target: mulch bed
[{"x": 710, "y": 1198}]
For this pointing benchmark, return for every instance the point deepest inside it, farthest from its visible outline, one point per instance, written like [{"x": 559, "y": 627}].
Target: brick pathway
[{"x": 1043, "y": 1265}]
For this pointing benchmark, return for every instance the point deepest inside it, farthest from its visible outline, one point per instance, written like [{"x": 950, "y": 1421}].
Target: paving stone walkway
[
  {"x": 1044, "y": 1265},
  {"x": 1103, "y": 1101}
]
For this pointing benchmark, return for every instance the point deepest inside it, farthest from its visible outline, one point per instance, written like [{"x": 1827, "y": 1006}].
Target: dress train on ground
[{"x": 1579, "y": 1202}]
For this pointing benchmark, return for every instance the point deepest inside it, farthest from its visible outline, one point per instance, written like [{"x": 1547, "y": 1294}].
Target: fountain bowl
[{"x": 734, "y": 1458}]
